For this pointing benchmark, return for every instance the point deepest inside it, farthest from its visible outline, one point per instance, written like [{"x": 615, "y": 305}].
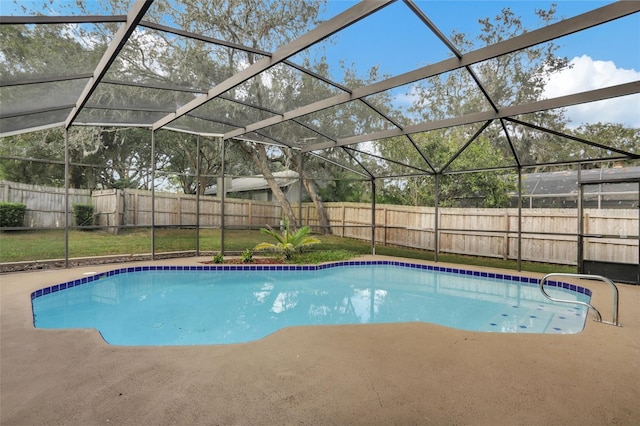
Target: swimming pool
[{"x": 193, "y": 305}]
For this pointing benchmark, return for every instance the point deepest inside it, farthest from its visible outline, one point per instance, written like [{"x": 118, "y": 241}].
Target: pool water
[{"x": 195, "y": 307}]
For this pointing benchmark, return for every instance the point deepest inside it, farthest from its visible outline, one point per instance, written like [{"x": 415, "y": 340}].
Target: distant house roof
[
  {"x": 565, "y": 182},
  {"x": 255, "y": 183}
]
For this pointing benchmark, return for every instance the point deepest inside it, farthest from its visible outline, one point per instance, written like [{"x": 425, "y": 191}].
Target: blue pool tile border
[{"x": 490, "y": 275}]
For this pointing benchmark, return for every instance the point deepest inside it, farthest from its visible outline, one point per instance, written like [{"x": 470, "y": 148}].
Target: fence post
[
  {"x": 116, "y": 212},
  {"x": 6, "y": 191},
  {"x": 436, "y": 218},
  {"x": 300, "y": 185},
  {"x": 153, "y": 194},
  {"x": 179, "y": 210},
  {"x": 198, "y": 165},
  {"x": 373, "y": 216},
  {"x": 66, "y": 197},
  {"x": 519, "y": 218},
  {"x": 580, "y": 233},
  {"x": 135, "y": 208},
  {"x": 384, "y": 226},
  {"x": 222, "y": 193},
  {"x": 506, "y": 235},
  {"x": 585, "y": 240}
]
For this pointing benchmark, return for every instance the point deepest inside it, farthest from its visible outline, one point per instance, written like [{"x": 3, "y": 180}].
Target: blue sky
[
  {"x": 601, "y": 56},
  {"x": 463, "y": 15}
]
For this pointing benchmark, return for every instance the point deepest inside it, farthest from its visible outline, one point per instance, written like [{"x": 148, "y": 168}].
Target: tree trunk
[
  {"x": 310, "y": 186},
  {"x": 259, "y": 156}
]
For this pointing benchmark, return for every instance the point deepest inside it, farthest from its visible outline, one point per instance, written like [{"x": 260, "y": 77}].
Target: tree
[
  {"x": 510, "y": 79},
  {"x": 259, "y": 156},
  {"x": 614, "y": 135},
  {"x": 28, "y": 158},
  {"x": 263, "y": 26},
  {"x": 34, "y": 50},
  {"x": 38, "y": 157},
  {"x": 343, "y": 189},
  {"x": 125, "y": 156},
  {"x": 163, "y": 57},
  {"x": 482, "y": 189},
  {"x": 185, "y": 164}
]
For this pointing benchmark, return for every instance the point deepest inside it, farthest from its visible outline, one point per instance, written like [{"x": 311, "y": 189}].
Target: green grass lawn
[{"x": 20, "y": 246}]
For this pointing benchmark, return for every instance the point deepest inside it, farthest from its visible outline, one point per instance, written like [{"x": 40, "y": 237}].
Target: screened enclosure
[{"x": 433, "y": 125}]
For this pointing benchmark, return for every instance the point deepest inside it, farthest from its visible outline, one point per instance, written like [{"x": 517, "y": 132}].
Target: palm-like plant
[{"x": 287, "y": 241}]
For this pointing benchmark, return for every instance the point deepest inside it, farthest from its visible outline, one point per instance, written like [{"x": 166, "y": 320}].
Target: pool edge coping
[{"x": 460, "y": 271}]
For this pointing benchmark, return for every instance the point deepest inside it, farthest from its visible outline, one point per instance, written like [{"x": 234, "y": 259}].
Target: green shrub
[
  {"x": 247, "y": 256},
  {"x": 218, "y": 258},
  {"x": 287, "y": 242},
  {"x": 12, "y": 215},
  {"x": 83, "y": 214}
]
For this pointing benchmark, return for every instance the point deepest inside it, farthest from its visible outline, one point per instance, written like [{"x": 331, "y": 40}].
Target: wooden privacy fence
[
  {"x": 45, "y": 205},
  {"x": 548, "y": 235},
  {"x": 131, "y": 207}
]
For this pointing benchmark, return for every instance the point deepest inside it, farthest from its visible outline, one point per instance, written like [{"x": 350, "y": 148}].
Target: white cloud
[
  {"x": 588, "y": 74},
  {"x": 405, "y": 98}
]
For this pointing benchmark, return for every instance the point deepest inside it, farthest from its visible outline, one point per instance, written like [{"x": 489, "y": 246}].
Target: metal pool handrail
[{"x": 588, "y": 305}]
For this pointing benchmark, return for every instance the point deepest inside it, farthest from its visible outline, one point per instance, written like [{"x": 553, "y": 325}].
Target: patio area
[{"x": 411, "y": 373}]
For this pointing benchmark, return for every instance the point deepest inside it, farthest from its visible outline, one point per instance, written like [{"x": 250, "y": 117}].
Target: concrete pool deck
[{"x": 411, "y": 373}]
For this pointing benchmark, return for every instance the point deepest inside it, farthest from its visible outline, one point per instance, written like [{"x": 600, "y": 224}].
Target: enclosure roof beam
[
  {"x": 188, "y": 34},
  {"x": 551, "y": 32},
  {"x": 216, "y": 41},
  {"x": 27, "y": 81},
  {"x": 168, "y": 87},
  {"x": 324, "y": 30},
  {"x": 406, "y": 175},
  {"x": 212, "y": 120},
  {"x": 335, "y": 163},
  {"x": 134, "y": 16},
  {"x": 270, "y": 111},
  {"x": 409, "y": 166},
  {"x": 434, "y": 29},
  {"x": 91, "y": 106},
  {"x": 191, "y": 132},
  {"x": 399, "y": 126},
  {"x": 31, "y": 129},
  {"x": 574, "y": 162},
  {"x": 106, "y": 124},
  {"x": 511, "y": 146},
  {"x": 487, "y": 169},
  {"x": 611, "y": 180},
  {"x": 465, "y": 146},
  {"x": 35, "y": 111},
  {"x": 529, "y": 166},
  {"x": 573, "y": 138},
  {"x": 275, "y": 142},
  {"x": 74, "y": 19},
  {"x": 362, "y": 166},
  {"x": 544, "y": 105}
]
